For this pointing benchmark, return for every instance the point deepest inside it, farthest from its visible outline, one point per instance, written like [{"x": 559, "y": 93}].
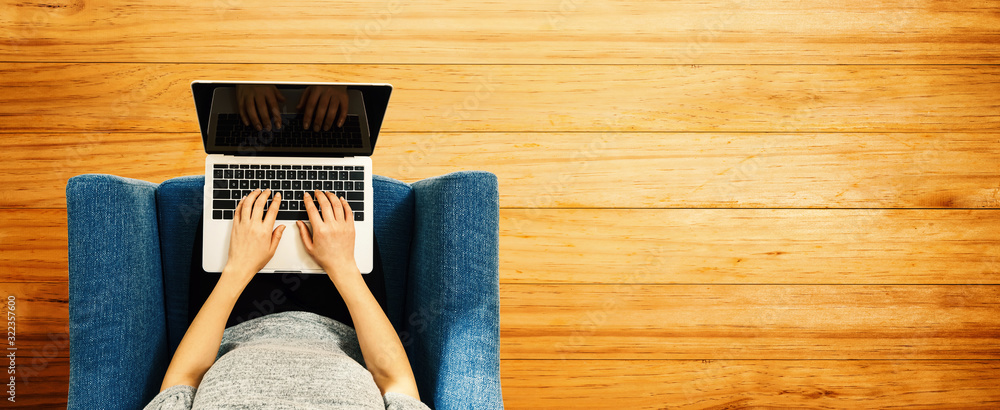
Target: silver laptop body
[{"x": 239, "y": 162}]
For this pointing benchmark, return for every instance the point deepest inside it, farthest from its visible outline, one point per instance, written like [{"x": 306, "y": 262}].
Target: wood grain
[
  {"x": 792, "y": 322},
  {"x": 731, "y": 170},
  {"x": 515, "y": 31},
  {"x": 43, "y": 383},
  {"x": 48, "y": 161},
  {"x": 59, "y": 97},
  {"x": 586, "y": 170},
  {"x": 727, "y": 384},
  {"x": 775, "y": 246},
  {"x": 33, "y": 247},
  {"x": 41, "y": 318}
]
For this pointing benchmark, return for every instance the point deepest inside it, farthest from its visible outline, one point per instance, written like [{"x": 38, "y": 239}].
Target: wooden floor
[{"x": 704, "y": 204}]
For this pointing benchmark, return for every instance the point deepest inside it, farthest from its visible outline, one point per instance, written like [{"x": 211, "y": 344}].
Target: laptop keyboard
[
  {"x": 230, "y": 132},
  {"x": 230, "y": 182}
]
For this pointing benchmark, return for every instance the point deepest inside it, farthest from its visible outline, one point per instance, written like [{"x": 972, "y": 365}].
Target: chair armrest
[
  {"x": 453, "y": 291},
  {"x": 117, "y": 330}
]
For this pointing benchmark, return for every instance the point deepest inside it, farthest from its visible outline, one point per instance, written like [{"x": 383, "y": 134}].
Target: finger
[
  {"x": 265, "y": 120},
  {"x": 310, "y": 107},
  {"x": 251, "y": 112},
  {"x": 331, "y": 115},
  {"x": 278, "y": 94},
  {"x": 258, "y": 205},
  {"x": 275, "y": 239},
  {"x": 348, "y": 212},
  {"x": 344, "y": 101},
  {"x": 275, "y": 110},
  {"x": 311, "y": 209},
  {"x": 247, "y": 206},
  {"x": 305, "y": 235},
  {"x": 238, "y": 212},
  {"x": 272, "y": 210},
  {"x": 320, "y": 115},
  {"x": 338, "y": 208},
  {"x": 243, "y": 114},
  {"x": 302, "y": 99},
  {"x": 324, "y": 205}
]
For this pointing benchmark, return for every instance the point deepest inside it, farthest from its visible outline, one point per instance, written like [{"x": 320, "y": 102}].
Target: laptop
[{"x": 290, "y": 159}]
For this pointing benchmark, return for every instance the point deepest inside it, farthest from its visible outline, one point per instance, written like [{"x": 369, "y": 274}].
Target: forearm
[
  {"x": 380, "y": 346},
  {"x": 200, "y": 345}
]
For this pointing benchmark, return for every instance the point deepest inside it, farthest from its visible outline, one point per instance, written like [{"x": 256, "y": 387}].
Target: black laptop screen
[{"x": 275, "y": 119}]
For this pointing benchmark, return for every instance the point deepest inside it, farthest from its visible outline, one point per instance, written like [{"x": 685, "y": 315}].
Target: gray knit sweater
[{"x": 290, "y": 360}]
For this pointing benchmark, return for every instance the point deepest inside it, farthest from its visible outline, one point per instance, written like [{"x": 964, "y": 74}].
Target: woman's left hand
[{"x": 254, "y": 238}]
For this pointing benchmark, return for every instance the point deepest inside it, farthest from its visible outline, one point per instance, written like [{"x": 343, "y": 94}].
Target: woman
[{"x": 290, "y": 359}]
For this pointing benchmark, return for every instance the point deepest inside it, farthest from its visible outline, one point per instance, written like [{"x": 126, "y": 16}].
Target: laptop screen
[{"x": 290, "y": 119}]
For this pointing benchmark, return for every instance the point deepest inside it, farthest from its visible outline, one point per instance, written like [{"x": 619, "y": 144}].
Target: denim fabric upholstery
[
  {"x": 117, "y": 328},
  {"x": 394, "y": 231},
  {"x": 179, "y": 201},
  {"x": 453, "y": 292},
  {"x": 123, "y": 328}
]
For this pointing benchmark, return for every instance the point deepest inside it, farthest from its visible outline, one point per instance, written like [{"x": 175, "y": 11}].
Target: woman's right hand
[{"x": 331, "y": 242}]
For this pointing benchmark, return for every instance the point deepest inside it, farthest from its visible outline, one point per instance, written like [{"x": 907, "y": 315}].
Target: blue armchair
[{"x": 129, "y": 261}]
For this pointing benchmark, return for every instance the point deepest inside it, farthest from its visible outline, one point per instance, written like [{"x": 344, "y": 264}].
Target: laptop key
[
  {"x": 328, "y": 185},
  {"x": 220, "y": 194},
  {"x": 234, "y": 184},
  {"x": 359, "y": 216},
  {"x": 228, "y": 174},
  {"x": 293, "y": 215},
  {"x": 357, "y": 175},
  {"x": 220, "y": 183},
  {"x": 227, "y": 214},
  {"x": 357, "y": 206},
  {"x": 218, "y": 173},
  {"x": 217, "y": 214},
  {"x": 223, "y": 204},
  {"x": 355, "y": 196}
]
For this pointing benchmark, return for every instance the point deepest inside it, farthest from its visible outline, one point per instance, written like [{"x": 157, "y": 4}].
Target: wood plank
[
  {"x": 738, "y": 170},
  {"x": 33, "y": 247},
  {"x": 43, "y": 384},
  {"x": 515, "y": 31},
  {"x": 776, "y": 246},
  {"x": 41, "y": 318},
  {"x": 724, "y": 384},
  {"x": 807, "y": 246},
  {"x": 48, "y": 161},
  {"x": 40, "y": 97},
  {"x": 585, "y": 170},
  {"x": 863, "y": 322}
]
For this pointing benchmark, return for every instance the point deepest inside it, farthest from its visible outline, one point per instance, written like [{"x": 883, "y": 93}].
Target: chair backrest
[{"x": 179, "y": 208}]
